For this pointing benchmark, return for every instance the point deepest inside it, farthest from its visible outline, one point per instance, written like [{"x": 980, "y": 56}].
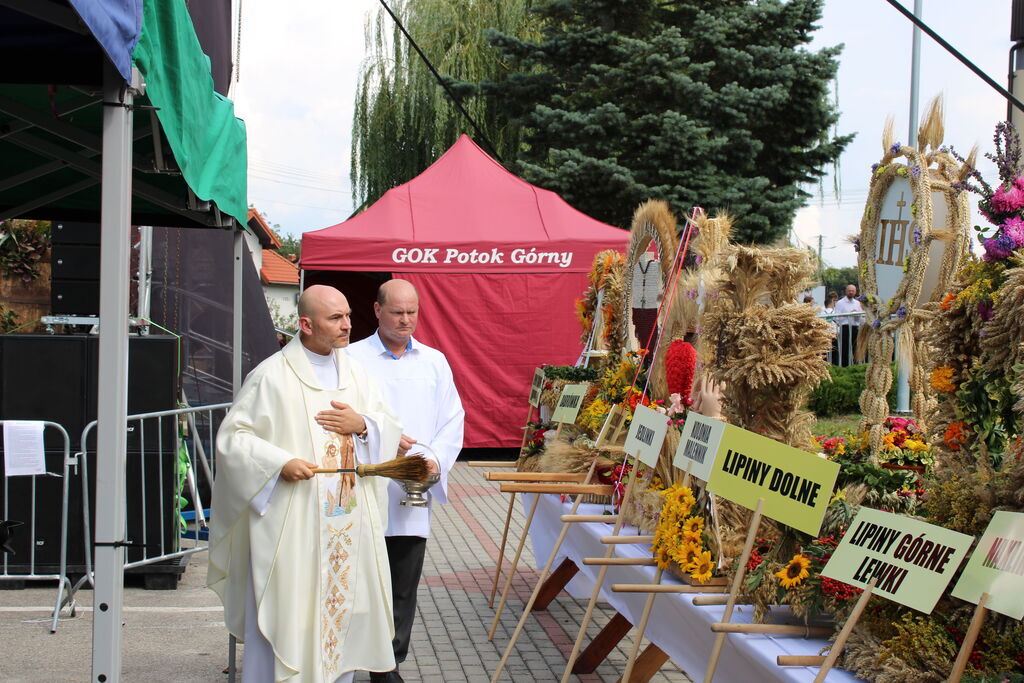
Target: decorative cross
[{"x": 901, "y": 203}]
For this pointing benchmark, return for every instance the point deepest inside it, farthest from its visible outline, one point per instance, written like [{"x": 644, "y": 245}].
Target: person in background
[
  {"x": 417, "y": 383},
  {"x": 848, "y": 324}
]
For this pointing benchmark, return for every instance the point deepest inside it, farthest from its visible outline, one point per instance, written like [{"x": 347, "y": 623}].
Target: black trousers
[{"x": 405, "y": 555}]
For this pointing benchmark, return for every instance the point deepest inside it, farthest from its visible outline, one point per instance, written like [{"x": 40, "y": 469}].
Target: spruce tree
[{"x": 716, "y": 103}]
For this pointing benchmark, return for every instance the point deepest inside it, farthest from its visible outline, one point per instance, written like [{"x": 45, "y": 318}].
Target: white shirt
[
  {"x": 324, "y": 367},
  {"x": 848, "y": 305},
  {"x": 419, "y": 388}
]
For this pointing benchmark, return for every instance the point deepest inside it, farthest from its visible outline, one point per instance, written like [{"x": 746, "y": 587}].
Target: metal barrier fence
[
  {"x": 65, "y": 592},
  {"x": 159, "y": 442},
  {"x": 844, "y": 346}
]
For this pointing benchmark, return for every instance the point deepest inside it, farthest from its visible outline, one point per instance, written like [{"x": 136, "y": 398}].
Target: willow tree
[{"x": 403, "y": 118}]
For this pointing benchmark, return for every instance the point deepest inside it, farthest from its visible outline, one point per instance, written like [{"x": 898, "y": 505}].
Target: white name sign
[
  {"x": 698, "y": 445},
  {"x": 646, "y": 433}
]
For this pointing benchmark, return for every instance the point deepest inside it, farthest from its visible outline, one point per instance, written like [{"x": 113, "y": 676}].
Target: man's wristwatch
[{"x": 366, "y": 429}]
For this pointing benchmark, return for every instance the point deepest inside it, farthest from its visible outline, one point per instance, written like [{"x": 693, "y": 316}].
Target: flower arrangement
[
  {"x": 679, "y": 536},
  {"x": 535, "y": 438},
  {"x": 903, "y": 444},
  {"x": 797, "y": 581}
]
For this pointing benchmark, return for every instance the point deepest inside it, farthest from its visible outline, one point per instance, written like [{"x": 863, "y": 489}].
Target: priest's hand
[
  {"x": 404, "y": 444},
  {"x": 343, "y": 419},
  {"x": 297, "y": 469}
]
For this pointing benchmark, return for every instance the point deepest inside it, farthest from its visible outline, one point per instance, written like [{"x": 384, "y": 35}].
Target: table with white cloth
[{"x": 681, "y": 629}]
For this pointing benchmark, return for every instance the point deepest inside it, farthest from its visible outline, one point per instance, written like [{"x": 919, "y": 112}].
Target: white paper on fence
[
  {"x": 698, "y": 445},
  {"x": 23, "y": 448},
  {"x": 646, "y": 434}
]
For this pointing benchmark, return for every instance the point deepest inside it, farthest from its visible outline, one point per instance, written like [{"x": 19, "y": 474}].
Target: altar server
[
  {"x": 298, "y": 558},
  {"x": 417, "y": 383}
]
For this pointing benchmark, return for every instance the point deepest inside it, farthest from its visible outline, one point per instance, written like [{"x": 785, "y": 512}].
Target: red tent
[{"x": 498, "y": 264}]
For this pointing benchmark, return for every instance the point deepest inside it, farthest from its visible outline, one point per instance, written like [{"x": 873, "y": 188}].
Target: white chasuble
[{"x": 320, "y": 574}]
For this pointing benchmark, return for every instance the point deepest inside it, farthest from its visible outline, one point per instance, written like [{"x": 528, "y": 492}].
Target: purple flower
[
  {"x": 895, "y": 148},
  {"x": 985, "y": 310},
  {"x": 915, "y": 170},
  {"x": 1014, "y": 228},
  {"x": 874, "y": 167},
  {"x": 862, "y": 298},
  {"x": 901, "y": 312},
  {"x": 856, "y": 244},
  {"x": 998, "y": 248},
  {"x": 699, "y": 259},
  {"x": 877, "y": 323},
  {"x": 917, "y": 235}
]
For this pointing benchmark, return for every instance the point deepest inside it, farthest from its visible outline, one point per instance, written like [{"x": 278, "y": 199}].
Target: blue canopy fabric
[{"x": 115, "y": 24}]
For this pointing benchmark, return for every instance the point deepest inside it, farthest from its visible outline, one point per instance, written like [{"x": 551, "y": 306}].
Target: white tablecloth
[{"x": 679, "y": 628}]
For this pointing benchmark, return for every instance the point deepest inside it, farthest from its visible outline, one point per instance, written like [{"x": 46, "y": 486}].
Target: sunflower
[
  {"x": 702, "y": 568},
  {"x": 688, "y": 555},
  {"x": 794, "y": 572},
  {"x": 662, "y": 556},
  {"x": 694, "y": 525},
  {"x": 691, "y": 538}
]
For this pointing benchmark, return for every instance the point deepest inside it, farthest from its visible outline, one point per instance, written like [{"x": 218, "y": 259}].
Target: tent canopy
[
  {"x": 498, "y": 264},
  {"x": 464, "y": 214},
  {"x": 190, "y": 160}
]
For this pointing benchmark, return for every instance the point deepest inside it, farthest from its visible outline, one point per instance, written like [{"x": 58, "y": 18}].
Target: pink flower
[
  {"x": 1007, "y": 200},
  {"x": 1014, "y": 229},
  {"x": 677, "y": 404}
]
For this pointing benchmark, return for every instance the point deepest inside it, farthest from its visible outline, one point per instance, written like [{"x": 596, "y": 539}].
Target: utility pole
[{"x": 902, "y": 371}]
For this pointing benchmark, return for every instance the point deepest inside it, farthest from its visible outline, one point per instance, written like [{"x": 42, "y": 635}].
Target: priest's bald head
[{"x": 325, "y": 319}]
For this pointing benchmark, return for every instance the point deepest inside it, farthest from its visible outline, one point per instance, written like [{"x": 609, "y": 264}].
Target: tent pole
[
  {"x": 236, "y": 315},
  {"x": 112, "y": 399}
]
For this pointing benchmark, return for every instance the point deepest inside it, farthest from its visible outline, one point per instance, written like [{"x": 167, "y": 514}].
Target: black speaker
[
  {"x": 54, "y": 378},
  {"x": 75, "y": 274},
  {"x": 75, "y": 262},
  {"x": 70, "y": 232}
]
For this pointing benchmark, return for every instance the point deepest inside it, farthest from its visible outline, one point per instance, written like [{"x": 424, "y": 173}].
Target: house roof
[
  {"x": 267, "y": 237},
  {"x": 278, "y": 270}
]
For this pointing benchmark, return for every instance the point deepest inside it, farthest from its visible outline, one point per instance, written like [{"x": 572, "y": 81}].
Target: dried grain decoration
[
  {"x": 934, "y": 170},
  {"x": 607, "y": 282}
]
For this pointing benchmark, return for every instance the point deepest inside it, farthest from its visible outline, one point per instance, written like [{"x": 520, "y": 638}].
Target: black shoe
[{"x": 386, "y": 677}]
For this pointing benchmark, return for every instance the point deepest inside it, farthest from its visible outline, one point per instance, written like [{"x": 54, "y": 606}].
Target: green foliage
[
  {"x": 836, "y": 279},
  {"x": 23, "y": 244},
  {"x": 290, "y": 246},
  {"x": 698, "y": 102},
  {"x": 570, "y": 373},
  {"x": 8, "y": 320},
  {"x": 841, "y": 396},
  {"x": 403, "y": 119}
]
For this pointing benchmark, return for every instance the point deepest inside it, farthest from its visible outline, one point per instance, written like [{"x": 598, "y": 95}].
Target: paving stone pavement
[{"x": 179, "y": 635}]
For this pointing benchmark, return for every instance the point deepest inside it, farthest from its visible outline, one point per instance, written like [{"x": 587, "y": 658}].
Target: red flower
[{"x": 680, "y": 362}]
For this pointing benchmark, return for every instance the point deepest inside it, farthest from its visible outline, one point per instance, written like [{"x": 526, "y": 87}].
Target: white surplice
[
  {"x": 319, "y": 568},
  {"x": 420, "y": 389}
]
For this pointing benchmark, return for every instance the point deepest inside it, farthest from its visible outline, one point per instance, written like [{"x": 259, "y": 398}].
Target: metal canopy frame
[{"x": 56, "y": 151}]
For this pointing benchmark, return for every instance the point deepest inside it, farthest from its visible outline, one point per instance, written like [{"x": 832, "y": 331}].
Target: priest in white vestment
[{"x": 299, "y": 558}]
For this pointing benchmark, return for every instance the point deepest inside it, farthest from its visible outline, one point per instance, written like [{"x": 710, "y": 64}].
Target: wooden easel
[
  {"x": 578, "y": 490},
  {"x": 737, "y": 582},
  {"x": 610, "y": 542},
  {"x": 568, "y": 519}
]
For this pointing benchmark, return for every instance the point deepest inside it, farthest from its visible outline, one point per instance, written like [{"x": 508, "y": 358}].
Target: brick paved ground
[
  {"x": 450, "y": 636},
  {"x": 179, "y": 635}
]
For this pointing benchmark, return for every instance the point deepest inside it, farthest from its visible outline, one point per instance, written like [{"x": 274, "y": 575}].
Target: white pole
[
  {"x": 236, "y": 313},
  {"x": 902, "y": 371},
  {"x": 112, "y": 400}
]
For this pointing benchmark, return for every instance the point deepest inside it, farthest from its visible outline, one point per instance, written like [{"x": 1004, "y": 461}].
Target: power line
[{"x": 455, "y": 101}]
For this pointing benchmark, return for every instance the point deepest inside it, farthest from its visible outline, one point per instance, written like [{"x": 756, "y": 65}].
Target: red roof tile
[{"x": 278, "y": 270}]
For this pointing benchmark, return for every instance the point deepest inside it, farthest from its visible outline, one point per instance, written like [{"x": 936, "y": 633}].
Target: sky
[{"x": 299, "y": 63}]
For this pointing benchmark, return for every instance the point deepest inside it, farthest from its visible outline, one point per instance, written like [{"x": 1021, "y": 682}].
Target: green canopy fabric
[{"x": 208, "y": 141}]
